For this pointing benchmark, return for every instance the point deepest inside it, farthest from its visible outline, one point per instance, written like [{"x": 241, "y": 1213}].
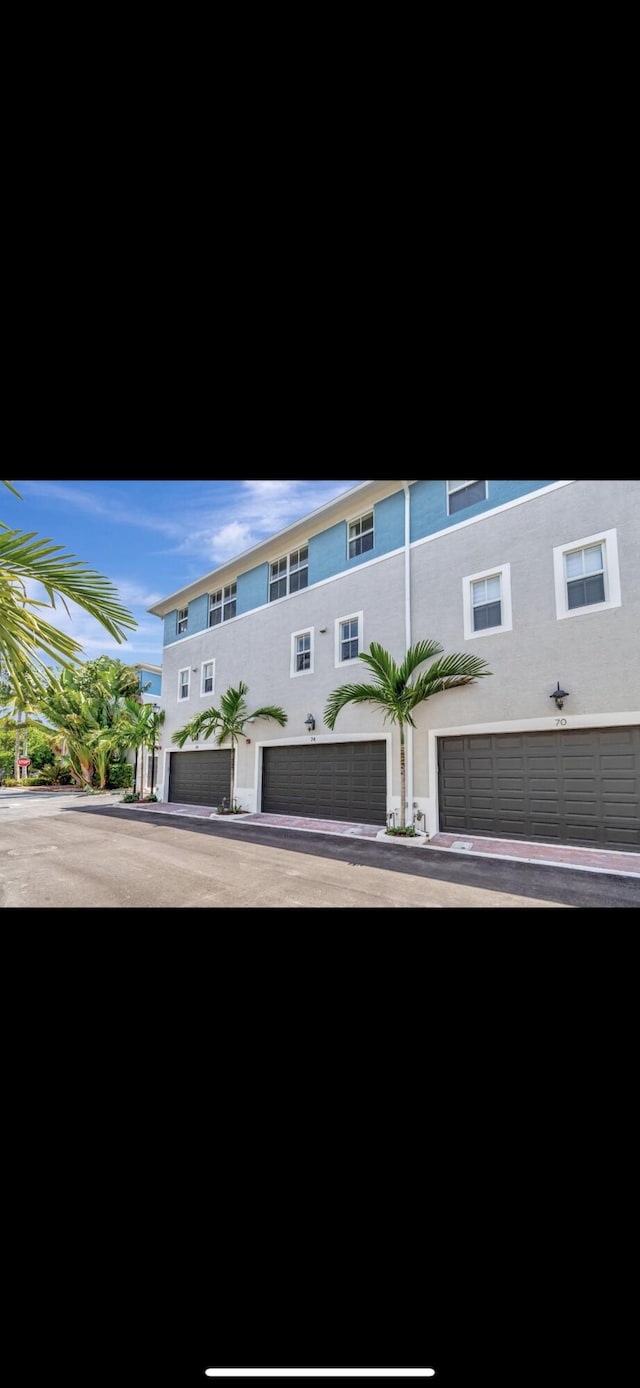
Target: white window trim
[
  {"x": 304, "y": 631},
  {"x": 182, "y": 698},
  {"x": 348, "y": 617},
  {"x": 211, "y": 693},
  {"x": 180, "y": 619},
  {"x": 503, "y": 572},
  {"x": 371, "y": 510},
  {"x": 608, "y": 538},
  {"x": 459, "y": 489}
]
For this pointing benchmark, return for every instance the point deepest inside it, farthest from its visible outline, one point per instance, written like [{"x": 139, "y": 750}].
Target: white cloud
[{"x": 263, "y": 508}]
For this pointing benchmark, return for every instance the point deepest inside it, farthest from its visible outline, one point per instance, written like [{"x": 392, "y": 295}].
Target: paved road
[{"x": 67, "y": 850}]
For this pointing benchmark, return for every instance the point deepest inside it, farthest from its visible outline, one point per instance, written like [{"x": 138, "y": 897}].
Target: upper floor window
[
  {"x": 348, "y": 638},
  {"x": 222, "y": 604},
  {"x": 487, "y": 602},
  {"x": 208, "y": 667},
  {"x": 302, "y": 652},
  {"x": 183, "y": 617},
  {"x": 290, "y": 574},
  {"x": 461, "y": 494},
  {"x": 587, "y": 575},
  {"x": 361, "y": 535},
  {"x": 183, "y": 684}
]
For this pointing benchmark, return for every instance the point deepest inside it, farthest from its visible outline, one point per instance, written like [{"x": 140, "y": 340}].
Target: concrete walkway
[{"x": 551, "y": 854}]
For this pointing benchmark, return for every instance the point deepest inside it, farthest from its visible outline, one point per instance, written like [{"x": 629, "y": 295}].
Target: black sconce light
[
  {"x": 559, "y": 695},
  {"x": 310, "y": 722}
]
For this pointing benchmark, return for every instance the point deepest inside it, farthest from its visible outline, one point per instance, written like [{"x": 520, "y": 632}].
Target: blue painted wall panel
[
  {"x": 169, "y": 625},
  {"x": 328, "y": 550},
  {"x": 198, "y": 614},
  {"x": 153, "y": 680},
  {"x": 429, "y": 504},
  {"x": 253, "y": 589},
  {"x": 328, "y": 553}
]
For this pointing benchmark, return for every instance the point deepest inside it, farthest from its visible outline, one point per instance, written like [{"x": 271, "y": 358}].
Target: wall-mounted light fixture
[
  {"x": 559, "y": 695},
  {"x": 310, "y": 722},
  {"x": 322, "y": 630}
]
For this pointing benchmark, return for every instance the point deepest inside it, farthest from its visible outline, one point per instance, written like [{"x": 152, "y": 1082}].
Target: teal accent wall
[
  {"x": 198, "y": 616},
  {"x": 328, "y": 550},
  {"x": 253, "y": 589},
  {"x": 429, "y": 504},
  {"x": 169, "y": 625}
]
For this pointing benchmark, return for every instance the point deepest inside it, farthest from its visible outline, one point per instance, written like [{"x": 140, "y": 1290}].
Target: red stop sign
[{"x": 24, "y": 761}]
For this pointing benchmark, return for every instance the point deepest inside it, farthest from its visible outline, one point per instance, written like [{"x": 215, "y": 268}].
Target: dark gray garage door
[
  {"x": 579, "y": 787},
  {"x": 199, "y": 778},
  {"x": 336, "y": 780}
]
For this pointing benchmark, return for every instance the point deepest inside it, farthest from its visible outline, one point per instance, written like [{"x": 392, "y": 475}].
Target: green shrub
[
  {"x": 130, "y": 797},
  {"x": 120, "y": 776},
  {"x": 408, "y": 832}
]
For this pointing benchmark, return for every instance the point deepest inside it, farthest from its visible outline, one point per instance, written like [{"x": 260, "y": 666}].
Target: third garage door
[
  {"x": 337, "y": 780},
  {"x": 578, "y": 787}
]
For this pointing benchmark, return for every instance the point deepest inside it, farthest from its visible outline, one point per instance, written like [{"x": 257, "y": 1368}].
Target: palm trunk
[
  {"x": 403, "y": 780},
  {"x": 233, "y": 773},
  {"x": 16, "y": 767}
]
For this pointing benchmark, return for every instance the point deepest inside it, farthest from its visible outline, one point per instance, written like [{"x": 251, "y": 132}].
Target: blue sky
[{"x": 150, "y": 538}]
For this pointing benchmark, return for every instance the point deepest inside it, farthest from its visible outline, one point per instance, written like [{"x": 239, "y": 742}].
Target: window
[
  {"x": 183, "y": 616},
  {"x": 461, "y": 494},
  {"x": 487, "y": 602},
  {"x": 208, "y": 667},
  {"x": 587, "y": 575},
  {"x": 361, "y": 535},
  {"x": 348, "y": 638},
  {"x": 290, "y": 574},
  {"x": 222, "y": 604},
  {"x": 302, "y": 652},
  {"x": 183, "y": 684}
]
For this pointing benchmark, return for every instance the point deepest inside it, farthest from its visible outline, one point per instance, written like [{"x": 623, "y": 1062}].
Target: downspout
[{"x": 407, "y": 638}]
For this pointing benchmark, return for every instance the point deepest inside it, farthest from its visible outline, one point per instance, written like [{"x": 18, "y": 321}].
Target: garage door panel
[
  {"x": 573, "y": 786},
  {"x": 544, "y": 829},
  {"x": 341, "y": 780}
]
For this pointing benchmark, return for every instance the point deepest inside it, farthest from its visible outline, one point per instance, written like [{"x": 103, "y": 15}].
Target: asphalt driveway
[{"x": 67, "y": 850}]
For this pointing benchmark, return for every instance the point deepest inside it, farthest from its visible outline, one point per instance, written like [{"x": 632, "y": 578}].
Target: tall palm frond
[
  {"x": 28, "y": 642},
  {"x": 227, "y": 723},
  {"x": 397, "y": 695}
]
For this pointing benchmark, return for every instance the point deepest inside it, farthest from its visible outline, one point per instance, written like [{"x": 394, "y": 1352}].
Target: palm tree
[
  {"x": 134, "y": 726},
  {"x": 27, "y": 641},
  {"x": 85, "y": 707},
  {"x": 397, "y": 696},
  {"x": 228, "y": 724}
]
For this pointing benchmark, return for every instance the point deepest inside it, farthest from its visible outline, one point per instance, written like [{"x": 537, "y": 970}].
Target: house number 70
[{"x": 561, "y": 722}]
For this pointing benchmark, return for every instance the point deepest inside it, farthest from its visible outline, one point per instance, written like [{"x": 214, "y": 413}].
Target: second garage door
[
  {"x": 199, "y": 778},
  {"x": 581, "y": 786},
  {"x": 337, "y": 780}
]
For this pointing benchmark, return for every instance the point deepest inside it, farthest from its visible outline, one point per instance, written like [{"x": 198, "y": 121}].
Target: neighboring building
[
  {"x": 542, "y": 579},
  {"x": 149, "y": 682},
  {"x": 150, "y": 685}
]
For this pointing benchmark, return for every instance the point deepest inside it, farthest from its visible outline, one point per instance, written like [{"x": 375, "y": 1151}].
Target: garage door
[
  {"x": 199, "y": 778},
  {"x": 337, "y": 780},
  {"x": 579, "y": 787}
]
